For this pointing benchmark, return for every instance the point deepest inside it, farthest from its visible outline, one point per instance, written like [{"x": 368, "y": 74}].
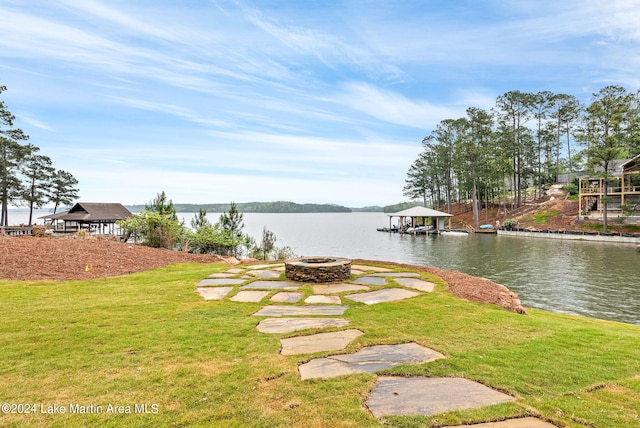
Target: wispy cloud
[
  {"x": 30, "y": 120},
  {"x": 393, "y": 107}
]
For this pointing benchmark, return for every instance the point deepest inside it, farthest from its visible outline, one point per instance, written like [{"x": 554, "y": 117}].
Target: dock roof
[{"x": 420, "y": 212}]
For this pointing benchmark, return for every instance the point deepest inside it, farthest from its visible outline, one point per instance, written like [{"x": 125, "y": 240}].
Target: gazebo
[
  {"x": 90, "y": 215},
  {"x": 416, "y": 213}
]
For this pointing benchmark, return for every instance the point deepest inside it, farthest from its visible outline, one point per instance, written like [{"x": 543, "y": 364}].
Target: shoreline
[{"x": 572, "y": 235}]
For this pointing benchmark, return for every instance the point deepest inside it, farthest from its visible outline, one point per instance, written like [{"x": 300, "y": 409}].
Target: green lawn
[{"x": 149, "y": 339}]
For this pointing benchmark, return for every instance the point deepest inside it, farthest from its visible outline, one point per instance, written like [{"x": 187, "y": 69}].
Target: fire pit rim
[{"x": 318, "y": 269}]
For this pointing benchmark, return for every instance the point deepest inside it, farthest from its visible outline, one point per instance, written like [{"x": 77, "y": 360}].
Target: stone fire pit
[{"x": 317, "y": 269}]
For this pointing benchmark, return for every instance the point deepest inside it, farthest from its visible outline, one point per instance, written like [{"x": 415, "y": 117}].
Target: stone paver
[
  {"x": 292, "y": 311},
  {"x": 331, "y": 300},
  {"x": 265, "y": 274},
  {"x": 369, "y": 268},
  {"x": 264, "y": 266},
  {"x": 398, "y": 274},
  {"x": 222, "y": 275},
  {"x": 511, "y": 423},
  {"x": 271, "y": 285},
  {"x": 381, "y": 296},
  {"x": 356, "y": 271},
  {"x": 287, "y": 325},
  {"x": 371, "y": 280},
  {"x": 213, "y": 282},
  {"x": 418, "y": 284},
  {"x": 286, "y": 297},
  {"x": 429, "y": 396},
  {"x": 249, "y": 296},
  {"x": 235, "y": 270},
  {"x": 368, "y": 359},
  {"x": 333, "y": 341},
  {"x": 213, "y": 293},
  {"x": 337, "y": 288}
]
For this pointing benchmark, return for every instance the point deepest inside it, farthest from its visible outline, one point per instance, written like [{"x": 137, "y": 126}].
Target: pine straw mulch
[
  {"x": 27, "y": 258},
  {"x": 31, "y": 258}
]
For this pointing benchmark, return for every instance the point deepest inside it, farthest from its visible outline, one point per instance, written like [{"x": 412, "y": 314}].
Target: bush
[
  {"x": 214, "y": 239},
  {"x": 154, "y": 230},
  {"x": 573, "y": 189}
]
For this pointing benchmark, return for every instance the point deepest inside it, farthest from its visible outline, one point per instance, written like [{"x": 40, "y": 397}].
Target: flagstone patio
[{"x": 391, "y": 395}]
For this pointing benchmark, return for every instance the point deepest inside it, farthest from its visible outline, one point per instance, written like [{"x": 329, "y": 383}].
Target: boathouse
[
  {"x": 91, "y": 216},
  {"x": 623, "y": 189},
  {"x": 414, "y": 220}
]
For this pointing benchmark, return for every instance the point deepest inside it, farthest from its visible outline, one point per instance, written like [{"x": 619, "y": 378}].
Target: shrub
[
  {"x": 154, "y": 229},
  {"x": 572, "y": 189}
]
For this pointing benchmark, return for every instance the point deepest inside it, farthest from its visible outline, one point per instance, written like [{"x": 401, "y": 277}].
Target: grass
[
  {"x": 615, "y": 228},
  {"x": 149, "y": 339},
  {"x": 544, "y": 216}
]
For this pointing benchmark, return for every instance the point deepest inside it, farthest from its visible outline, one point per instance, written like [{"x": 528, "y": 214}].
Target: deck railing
[{"x": 16, "y": 230}]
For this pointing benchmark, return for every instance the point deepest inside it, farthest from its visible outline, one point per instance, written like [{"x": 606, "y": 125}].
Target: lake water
[{"x": 594, "y": 279}]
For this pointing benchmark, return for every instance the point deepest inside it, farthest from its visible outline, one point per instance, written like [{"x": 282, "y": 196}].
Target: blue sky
[{"x": 308, "y": 101}]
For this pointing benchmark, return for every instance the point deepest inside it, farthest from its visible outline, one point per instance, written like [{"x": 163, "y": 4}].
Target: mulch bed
[{"x": 27, "y": 257}]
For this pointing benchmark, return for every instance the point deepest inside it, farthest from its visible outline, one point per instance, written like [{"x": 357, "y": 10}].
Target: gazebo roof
[
  {"x": 420, "y": 212},
  {"x": 91, "y": 212}
]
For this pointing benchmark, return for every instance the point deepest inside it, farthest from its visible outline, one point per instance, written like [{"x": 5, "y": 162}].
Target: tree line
[
  {"x": 493, "y": 156},
  {"x": 256, "y": 207},
  {"x": 28, "y": 178}
]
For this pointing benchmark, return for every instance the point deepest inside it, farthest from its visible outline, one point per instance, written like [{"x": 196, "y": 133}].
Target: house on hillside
[
  {"x": 94, "y": 217},
  {"x": 623, "y": 189}
]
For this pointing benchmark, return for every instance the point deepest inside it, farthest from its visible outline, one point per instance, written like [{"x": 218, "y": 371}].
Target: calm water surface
[{"x": 594, "y": 279}]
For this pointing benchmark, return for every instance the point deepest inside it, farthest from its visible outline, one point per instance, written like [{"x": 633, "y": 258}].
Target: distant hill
[
  {"x": 370, "y": 209},
  {"x": 401, "y": 206},
  {"x": 256, "y": 207}
]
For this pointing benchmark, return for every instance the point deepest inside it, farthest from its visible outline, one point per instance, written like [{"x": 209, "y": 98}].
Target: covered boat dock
[
  {"x": 98, "y": 218},
  {"x": 414, "y": 221}
]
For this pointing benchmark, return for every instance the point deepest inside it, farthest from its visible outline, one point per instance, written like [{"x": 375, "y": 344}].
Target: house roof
[
  {"x": 618, "y": 166},
  {"x": 631, "y": 161},
  {"x": 92, "y": 212},
  {"x": 420, "y": 212}
]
